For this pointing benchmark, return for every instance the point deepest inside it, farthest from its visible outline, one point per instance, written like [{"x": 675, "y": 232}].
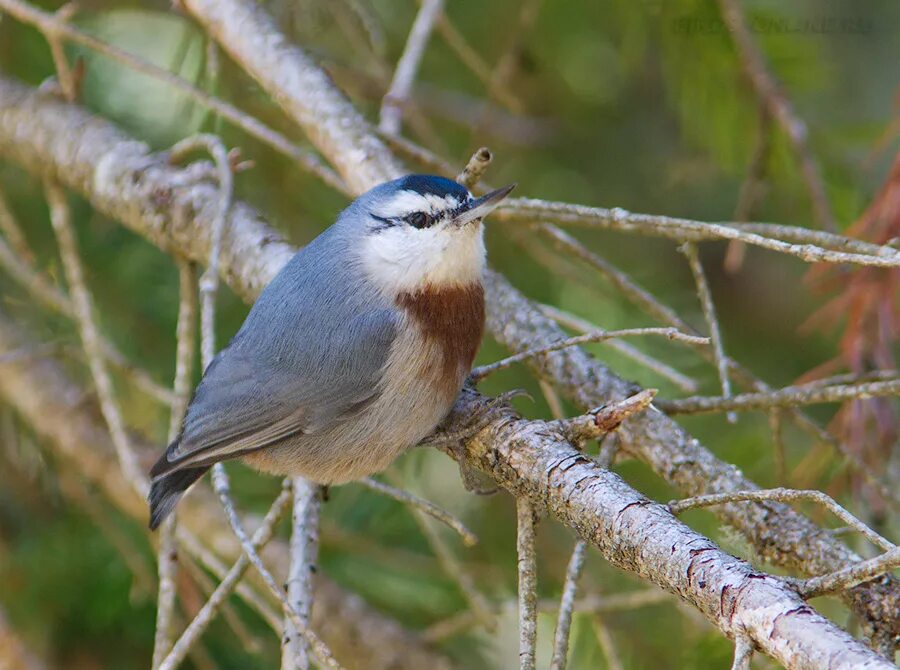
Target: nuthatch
[{"x": 353, "y": 353}]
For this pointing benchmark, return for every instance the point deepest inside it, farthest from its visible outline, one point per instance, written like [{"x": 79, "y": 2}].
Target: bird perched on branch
[{"x": 353, "y": 353}]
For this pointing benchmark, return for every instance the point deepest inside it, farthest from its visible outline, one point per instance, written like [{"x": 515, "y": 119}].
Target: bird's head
[{"x": 422, "y": 231}]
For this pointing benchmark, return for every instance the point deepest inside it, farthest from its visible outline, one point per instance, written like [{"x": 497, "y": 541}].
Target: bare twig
[
  {"x": 527, "y": 210},
  {"x": 605, "y": 418},
  {"x": 567, "y": 606},
  {"x": 790, "y": 396},
  {"x": 209, "y": 610},
  {"x": 783, "y": 495},
  {"x": 712, "y": 321},
  {"x": 850, "y": 576},
  {"x": 408, "y": 65},
  {"x": 473, "y": 60},
  {"x": 184, "y": 367},
  {"x": 751, "y": 188},
  {"x": 475, "y": 168},
  {"x": 743, "y": 653},
  {"x": 209, "y": 281},
  {"x": 779, "y": 107},
  {"x": 60, "y": 216},
  {"x": 429, "y": 508},
  {"x": 13, "y": 232},
  {"x": 451, "y": 565},
  {"x": 674, "y": 334},
  {"x": 49, "y": 24},
  {"x": 527, "y": 566},
  {"x": 607, "y": 644},
  {"x": 304, "y": 551},
  {"x": 681, "y": 380},
  {"x": 321, "y": 652}
]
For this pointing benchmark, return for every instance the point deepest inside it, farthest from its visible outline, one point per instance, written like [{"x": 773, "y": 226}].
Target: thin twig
[
  {"x": 607, "y": 644},
  {"x": 674, "y": 334},
  {"x": 528, "y": 211},
  {"x": 481, "y": 608},
  {"x": 408, "y": 65},
  {"x": 567, "y": 606},
  {"x": 779, "y": 107},
  {"x": 527, "y": 567},
  {"x": 209, "y": 281},
  {"x": 216, "y": 566},
  {"x": 222, "y": 487},
  {"x": 790, "y": 396},
  {"x": 782, "y": 495},
  {"x": 850, "y": 576},
  {"x": 13, "y": 232},
  {"x": 743, "y": 653},
  {"x": 50, "y": 24},
  {"x": 751, "y": 188},
  {"x": 605, "y": 419},
  {"x": 475, "y": 168},
  {"x": 681, "y": 380},
  {"x": 184, "y": 368},
  {"x": 60, "y": 216},
  {"x": 472, "y": 59},
  {"x": 712, "y": 321},
  {"x": 209, "y": 610},
  {"x": 304, "y": 552},
  {"x": 469, "y": 538}
]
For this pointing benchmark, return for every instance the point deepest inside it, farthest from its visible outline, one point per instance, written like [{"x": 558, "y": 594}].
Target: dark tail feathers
[{"x": 166, "y": 491}]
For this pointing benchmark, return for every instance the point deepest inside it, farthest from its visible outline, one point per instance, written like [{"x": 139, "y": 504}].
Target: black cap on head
[{"x": 439, "y": 186}]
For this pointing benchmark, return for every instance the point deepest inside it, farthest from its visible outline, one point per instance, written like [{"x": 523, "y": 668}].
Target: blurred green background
[{"x": 641, "y": 105}]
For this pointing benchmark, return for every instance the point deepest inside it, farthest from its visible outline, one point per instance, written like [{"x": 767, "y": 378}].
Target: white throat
[{"x": 403, "y": 259}]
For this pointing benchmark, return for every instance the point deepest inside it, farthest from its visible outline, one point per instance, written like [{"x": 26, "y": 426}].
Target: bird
[{"x": 353, "y": 353}]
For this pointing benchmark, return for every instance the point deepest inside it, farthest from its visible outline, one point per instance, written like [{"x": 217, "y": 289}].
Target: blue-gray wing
[{"x": 273, "y": 383}]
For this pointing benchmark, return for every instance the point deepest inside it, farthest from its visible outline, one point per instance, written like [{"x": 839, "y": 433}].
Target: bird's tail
[{"x": 166, "y": 491}]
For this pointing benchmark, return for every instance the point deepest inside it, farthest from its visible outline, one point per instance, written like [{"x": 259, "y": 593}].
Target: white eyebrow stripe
[{"x": 410, "y": 201}]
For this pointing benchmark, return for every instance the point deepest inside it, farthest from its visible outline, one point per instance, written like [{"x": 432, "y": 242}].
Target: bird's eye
[{"x": 419, "y": 220}]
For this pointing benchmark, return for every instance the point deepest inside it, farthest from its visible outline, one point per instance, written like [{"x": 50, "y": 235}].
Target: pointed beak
[{"x": 481, "y": 207}]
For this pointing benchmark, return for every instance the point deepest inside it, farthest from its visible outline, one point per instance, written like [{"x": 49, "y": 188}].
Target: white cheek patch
[
  {"x": 402, "y": 258},
  {"x": 410, "y": 201}
]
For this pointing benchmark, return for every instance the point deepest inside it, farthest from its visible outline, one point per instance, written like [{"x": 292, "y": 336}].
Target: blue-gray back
[{"x": 309, "y": 353}]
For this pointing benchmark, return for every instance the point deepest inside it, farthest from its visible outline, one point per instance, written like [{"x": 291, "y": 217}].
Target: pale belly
[{"x": 409, "y": 408}]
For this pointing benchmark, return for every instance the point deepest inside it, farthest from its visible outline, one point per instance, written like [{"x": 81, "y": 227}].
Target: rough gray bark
[{"x": 123, "y": 180}]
